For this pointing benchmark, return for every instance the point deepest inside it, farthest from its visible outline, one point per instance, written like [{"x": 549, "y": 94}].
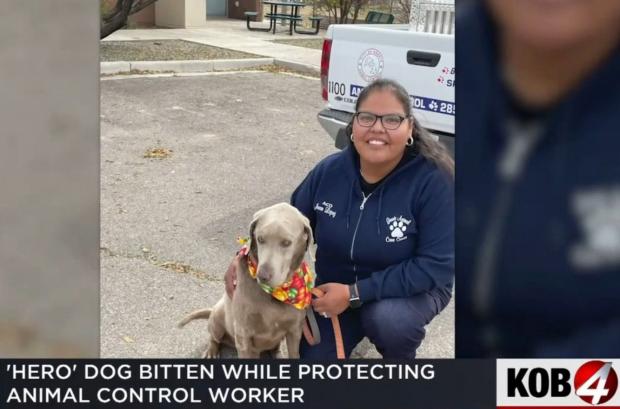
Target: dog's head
[{"x": 280, "y": 236}]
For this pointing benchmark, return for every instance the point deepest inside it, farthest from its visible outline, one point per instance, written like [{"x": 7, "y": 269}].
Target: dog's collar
[{"x": 296, "y": 291}]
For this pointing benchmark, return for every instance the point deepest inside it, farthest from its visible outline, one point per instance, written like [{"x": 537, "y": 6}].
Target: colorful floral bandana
[{"x": 296, "y": 292}]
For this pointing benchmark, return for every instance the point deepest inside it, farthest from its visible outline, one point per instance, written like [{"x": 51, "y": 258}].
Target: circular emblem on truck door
[{"x": 370, "y": 64}]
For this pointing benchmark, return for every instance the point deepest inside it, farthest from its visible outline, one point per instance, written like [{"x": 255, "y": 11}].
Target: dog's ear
[
  {"x": 253, "y": 249},
  {"x": 310, "y": 246}
]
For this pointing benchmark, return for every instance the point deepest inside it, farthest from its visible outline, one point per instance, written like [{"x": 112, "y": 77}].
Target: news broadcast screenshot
[{"x": 264, "y": 204}]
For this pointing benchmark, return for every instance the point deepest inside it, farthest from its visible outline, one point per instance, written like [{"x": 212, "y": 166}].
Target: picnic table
[{"x": 292, "y": 16}]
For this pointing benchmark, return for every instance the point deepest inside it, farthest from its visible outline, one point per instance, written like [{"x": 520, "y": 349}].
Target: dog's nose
[{"x": 265, "y": 273}]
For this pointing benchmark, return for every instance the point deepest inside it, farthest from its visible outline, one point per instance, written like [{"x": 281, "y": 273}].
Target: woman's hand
[
  {"x": 335, "y": 300},
  {"x": 230, "y": 276}
]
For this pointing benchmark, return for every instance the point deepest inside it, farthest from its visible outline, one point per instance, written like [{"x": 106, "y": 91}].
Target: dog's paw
[{"x": 213, "y": 352}]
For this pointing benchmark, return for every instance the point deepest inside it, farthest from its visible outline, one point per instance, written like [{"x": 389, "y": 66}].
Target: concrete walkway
[{"x": 233, "y": 34}]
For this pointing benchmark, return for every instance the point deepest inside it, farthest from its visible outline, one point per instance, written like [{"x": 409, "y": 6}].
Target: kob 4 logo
[{"x": 594, "y": 382}]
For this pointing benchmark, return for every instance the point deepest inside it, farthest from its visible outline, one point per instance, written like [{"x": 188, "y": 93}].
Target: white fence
[{"x": 432, "y": 16}]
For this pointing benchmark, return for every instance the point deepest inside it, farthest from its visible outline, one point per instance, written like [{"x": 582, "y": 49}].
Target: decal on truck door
[
  {"x": 370, "y": 64},
  {"x": 337, "y": 88},
  {"x": 447, "y": 77},
  {"x": 355, "y": 90},
  {"x": 433, "y": 105}
]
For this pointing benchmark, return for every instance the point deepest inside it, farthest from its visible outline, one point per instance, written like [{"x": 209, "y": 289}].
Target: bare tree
[
  {"x": 114, "y": 13},
  {"x": 405, "y": 9},
  {"x": 341, "y": 11},
  {"x": 357, "y": 6},
  {"x": 338, "y": 10}
]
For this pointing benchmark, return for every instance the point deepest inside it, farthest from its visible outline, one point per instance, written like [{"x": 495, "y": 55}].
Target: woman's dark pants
[{"x": 394, "y": 325}]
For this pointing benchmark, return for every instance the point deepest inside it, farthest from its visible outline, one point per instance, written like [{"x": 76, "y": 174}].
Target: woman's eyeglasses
[{"x": 389, "y": 121}]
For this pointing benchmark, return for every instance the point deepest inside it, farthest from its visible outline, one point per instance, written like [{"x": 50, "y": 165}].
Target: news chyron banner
[
  {"x": 213, "y": 383},
  {"x": 557, "y": 383}
]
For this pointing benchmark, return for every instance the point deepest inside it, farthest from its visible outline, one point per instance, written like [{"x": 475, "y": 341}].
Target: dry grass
[
  {"x": 165, "y": 50},
  {"x": 158, "y": 153}
]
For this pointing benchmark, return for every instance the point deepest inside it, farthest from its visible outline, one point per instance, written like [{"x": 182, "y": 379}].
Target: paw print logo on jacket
[
  {"x": 598, "y": 214},
  {"x": 398, "y": 227}
]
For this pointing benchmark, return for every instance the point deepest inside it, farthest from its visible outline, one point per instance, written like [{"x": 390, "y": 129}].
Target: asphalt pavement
[{"x": 218, "y": 147}]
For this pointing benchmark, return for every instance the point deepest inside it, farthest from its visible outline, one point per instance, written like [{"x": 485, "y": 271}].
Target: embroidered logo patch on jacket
[
  {"x": 326, "y": 208},
  {"x": 598, "y": 214},
  {"x": 398, "y": 227}
]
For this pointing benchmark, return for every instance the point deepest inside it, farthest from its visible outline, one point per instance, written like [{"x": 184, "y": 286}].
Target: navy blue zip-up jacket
[
  {"x": 397, "y": 243},
  {"x": 551, "y": 287}
]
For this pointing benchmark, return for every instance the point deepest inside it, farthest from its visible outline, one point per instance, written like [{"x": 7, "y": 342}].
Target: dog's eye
[
  {"x": 285, "y": 243},
  {"x": 260, "y": 240}
]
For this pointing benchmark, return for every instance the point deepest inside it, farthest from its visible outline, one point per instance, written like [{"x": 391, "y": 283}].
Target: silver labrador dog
[{"x": 254, "y": 321}]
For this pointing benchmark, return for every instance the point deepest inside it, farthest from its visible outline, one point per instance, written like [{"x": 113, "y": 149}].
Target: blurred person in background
[{"x": 538, "y": 181}]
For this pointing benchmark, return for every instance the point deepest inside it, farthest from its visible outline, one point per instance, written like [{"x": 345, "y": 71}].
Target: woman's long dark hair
[{"x": 423, "y": 143}]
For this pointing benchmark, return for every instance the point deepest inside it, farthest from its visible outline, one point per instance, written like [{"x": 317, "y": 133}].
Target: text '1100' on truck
[{"x": 418, "y": 55}]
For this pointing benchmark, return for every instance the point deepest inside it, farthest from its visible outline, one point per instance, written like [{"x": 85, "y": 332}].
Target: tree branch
[{"x": 118, "y": 18}]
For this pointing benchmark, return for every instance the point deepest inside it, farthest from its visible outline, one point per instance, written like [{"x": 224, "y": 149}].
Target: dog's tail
[{"x": 204, "y": 314}]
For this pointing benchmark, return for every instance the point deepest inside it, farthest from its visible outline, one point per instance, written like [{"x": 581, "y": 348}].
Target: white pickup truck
[{"x": 419, "y": 55}]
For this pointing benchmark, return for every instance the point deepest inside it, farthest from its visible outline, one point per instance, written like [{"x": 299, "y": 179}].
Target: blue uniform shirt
[{"x": 397, "y": 242}]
